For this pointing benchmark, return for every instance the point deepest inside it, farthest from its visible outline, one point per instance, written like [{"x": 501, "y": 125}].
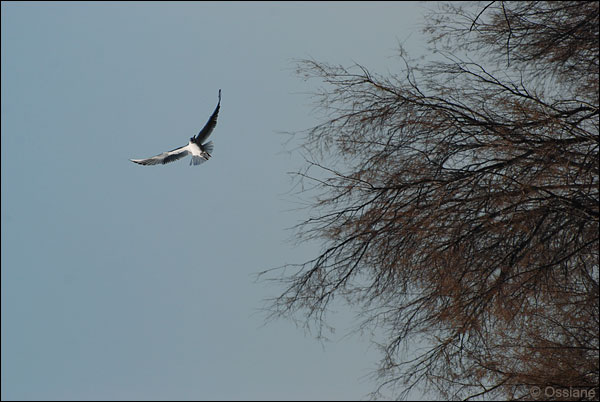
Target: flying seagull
[{"x": 196, "y": 147}]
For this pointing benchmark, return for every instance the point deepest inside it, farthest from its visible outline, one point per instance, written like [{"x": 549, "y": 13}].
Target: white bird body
[{"x": 200, "y": 151}]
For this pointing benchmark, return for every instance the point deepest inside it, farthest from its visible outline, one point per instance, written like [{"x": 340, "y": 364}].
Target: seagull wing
[
  {"x": 209, "y": 126},
  {"x": 165, "y": 157}
]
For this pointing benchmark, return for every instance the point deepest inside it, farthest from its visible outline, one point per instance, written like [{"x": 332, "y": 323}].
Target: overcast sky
[{"x": 122, "y": 281}]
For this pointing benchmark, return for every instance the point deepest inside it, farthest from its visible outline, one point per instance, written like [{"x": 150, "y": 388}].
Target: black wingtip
[{"x": 219, "y": 95}]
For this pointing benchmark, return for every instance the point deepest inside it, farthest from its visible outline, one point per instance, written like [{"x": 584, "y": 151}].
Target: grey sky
[{"x": 122, "y": 281}]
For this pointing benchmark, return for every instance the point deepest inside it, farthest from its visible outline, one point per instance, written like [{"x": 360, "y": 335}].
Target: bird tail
[{"x": 208, "y": 147}]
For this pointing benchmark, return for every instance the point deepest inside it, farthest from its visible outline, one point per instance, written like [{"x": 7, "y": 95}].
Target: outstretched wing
[
  {"x": 209, "y": 126},
  {"x": 165, "y": 157}
]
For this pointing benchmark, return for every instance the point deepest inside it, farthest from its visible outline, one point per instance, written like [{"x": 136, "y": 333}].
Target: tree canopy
[{"x": 457, "y": 203}]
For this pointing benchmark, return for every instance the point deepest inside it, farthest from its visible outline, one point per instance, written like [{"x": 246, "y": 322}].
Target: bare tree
[{"x": 458, "y": 206}]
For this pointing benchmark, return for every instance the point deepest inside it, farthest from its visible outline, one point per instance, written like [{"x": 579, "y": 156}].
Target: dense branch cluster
[{"x": 459, "y": 203}]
